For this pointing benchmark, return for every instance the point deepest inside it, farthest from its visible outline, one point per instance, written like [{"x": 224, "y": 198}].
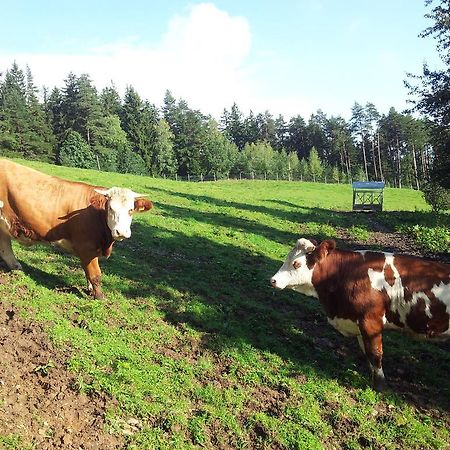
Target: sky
[{"x": 290, "y": 57}]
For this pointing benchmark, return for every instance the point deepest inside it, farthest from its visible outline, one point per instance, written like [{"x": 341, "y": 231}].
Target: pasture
[{"x": 193, "y": 349}]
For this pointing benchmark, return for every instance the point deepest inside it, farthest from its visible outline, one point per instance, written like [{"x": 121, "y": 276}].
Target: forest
[{"x": 81, "y": 127}]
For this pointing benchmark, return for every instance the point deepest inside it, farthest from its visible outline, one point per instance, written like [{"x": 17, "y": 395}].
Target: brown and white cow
[
  {"x": 82, "y": 219},
  {"x": 364, "y": 292}
]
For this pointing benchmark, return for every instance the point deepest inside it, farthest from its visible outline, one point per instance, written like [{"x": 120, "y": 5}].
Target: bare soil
[
  {"x": 387, "y": 240},
  {"x": 38, "y": 401}
]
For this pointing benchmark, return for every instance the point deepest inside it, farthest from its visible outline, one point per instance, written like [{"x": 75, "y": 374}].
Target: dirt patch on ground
[
  {"x": 39, "y": 403},
  {"x": 383, "y": 238}
]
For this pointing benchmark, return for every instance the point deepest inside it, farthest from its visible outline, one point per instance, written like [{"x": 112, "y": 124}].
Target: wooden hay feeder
[{"x": 368, "y": 195}]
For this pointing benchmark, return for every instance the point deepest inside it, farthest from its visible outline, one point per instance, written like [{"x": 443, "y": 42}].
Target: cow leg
[
  {"x": 93, "y": 276},
  {"x": 372, "y": 341},
  {"x": 6, "y": 252}
]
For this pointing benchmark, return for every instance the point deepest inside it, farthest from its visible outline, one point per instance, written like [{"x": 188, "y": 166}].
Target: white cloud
[{"x": 202, "y": 58}]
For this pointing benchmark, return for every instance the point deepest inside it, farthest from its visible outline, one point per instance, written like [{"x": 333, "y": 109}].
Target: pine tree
[
  {"x": 13, "y": 110},
  {"x": 110, "y": 101},
  {"x": 315, "y": 166}
]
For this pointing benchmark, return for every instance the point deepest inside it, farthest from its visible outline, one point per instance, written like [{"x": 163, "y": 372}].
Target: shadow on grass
[
  {"x": 224, "y": 290},
  {"x": 226, "y": 293},
  {"x": 55, "y": 282}
]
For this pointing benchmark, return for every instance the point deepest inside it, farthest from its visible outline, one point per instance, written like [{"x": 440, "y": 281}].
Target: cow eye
[{"x": 296, "y": 264}]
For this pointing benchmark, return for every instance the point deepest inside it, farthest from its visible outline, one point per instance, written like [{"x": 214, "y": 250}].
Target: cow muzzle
[
  {"x": 120, "y": 235},
  {"x": 278, "y": 282}
]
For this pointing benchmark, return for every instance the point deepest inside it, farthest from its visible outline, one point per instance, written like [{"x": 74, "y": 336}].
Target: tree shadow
[
  {"x": 236, "y": 305},
  {"x": 223, "y": 290},
  {"x": 54, "y": 282}
]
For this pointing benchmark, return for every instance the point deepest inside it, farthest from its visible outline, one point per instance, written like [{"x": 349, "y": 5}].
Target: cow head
[
  {"x": 296, "y": 271},
  {"x": 121, "y": 205}
]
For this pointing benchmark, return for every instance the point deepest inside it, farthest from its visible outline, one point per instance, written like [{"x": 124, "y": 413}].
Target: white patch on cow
[
  {"x": 376, "y": 279},
  {"x": 442, "y": 293},
  {"x": 120, "y": 210},
  {"x": 346, "y": 327},
  {"x": 299, "y": 279},
  {"x": 4, "y": 224},
  {"x": 6, "y": 252},
  {"x": 396, "y": 292}
]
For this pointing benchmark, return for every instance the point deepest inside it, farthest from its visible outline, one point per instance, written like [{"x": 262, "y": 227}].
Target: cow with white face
[
  {"x": 364, "y": 292},
  {"x": 119, "y": 210},
  {"x": 83, "y": 219}
]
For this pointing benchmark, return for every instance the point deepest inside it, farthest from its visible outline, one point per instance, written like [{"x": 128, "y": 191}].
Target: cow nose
[
  {"x": 273, "y": 282},
  {"x": 120, "y": 235}
]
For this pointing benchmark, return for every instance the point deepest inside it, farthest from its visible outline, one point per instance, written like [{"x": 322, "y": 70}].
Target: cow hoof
[
  {"x": 380, "y": 386},
  {"x": 98, "y": 295},
  {"x": 16, "y": 266}
]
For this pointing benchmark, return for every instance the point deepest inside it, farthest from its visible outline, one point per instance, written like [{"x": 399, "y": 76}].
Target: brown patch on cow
[
  {"x": 320, "y": 253},
  {"x": 389, "y": 275},
  {"x": 98, "y": 201},
  {"x": 19, "y": 229},
  {"x": 439, "y": 323},
  {"x": 417, "y": 319},
  {"x": 38, "y": 399},
  {"x": 394, "y": 318},
  {"x": 431, "y": 273},
  {"x": 142, "y": 204}
]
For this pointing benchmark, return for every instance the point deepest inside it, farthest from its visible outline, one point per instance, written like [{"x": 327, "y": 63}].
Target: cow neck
[
  {"x": 100, "y": 203},
  {"x": 326, "y": 276}
]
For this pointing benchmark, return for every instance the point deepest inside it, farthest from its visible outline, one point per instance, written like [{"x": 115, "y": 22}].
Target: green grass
[{"x": 193, "y": 342}]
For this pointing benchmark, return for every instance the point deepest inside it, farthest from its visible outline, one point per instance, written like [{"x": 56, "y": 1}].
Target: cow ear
[
  {"x": 142, "y": 205},
  {"x": 305, "y": 245},
  {"x": 325, "y": 248}
]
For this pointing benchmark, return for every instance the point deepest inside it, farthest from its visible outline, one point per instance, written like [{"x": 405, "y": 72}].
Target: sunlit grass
[{"x": 195, "y": 345}]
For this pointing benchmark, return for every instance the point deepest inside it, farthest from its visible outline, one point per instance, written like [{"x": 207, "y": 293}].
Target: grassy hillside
[{"x": 199, "y": 351}]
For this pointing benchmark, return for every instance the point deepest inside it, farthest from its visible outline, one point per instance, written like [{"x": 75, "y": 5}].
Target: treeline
[{"x": 79, "y": 126}]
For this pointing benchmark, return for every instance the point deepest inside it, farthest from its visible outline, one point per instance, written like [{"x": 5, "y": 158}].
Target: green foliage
[
  {"x": 258, "y": 159},
  {"x": 393, "y": 147},
  {"x": 434, "y": 239},
  {"x": 75, "y": 152},
  {"x": 13, "y": 442},
  {"x": 164, "y": 161},
  {"x": 436, "y": 196},
  {"x": 130, "y": 162},
  {"x": 315, "y": 165},
  {"x": 220, "y": 155}
]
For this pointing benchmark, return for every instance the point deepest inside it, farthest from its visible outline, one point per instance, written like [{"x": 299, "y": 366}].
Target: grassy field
[{"x": 193, "y": 343}]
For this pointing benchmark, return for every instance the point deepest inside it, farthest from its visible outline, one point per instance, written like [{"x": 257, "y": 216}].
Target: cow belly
[
  {"x": 64, "y": 244},
  {"x": 346, "y": 327}
]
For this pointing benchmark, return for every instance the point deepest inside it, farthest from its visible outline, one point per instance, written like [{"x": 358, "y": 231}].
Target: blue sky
[{"x": 287, "y": 56}]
